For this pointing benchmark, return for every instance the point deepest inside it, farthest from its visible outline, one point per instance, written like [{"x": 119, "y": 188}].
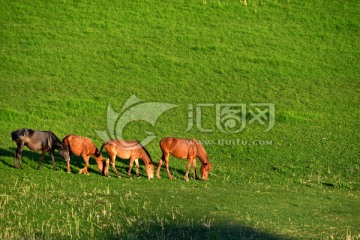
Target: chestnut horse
[
  {"x": 84, "y": 147},
  {"x": 189, "y": 149},
  {"x": 44, "y": 141},
  {"x": 132, "y": 150}
]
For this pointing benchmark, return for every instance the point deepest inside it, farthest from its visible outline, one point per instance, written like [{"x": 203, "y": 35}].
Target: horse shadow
[
  {"x": 78, "y": 163},
  {"x": 10, "y": 152},
  {"x": 122, "y": 165},
  {"x": 28, "y": 155},
  {"x": 6, "y": 153}
]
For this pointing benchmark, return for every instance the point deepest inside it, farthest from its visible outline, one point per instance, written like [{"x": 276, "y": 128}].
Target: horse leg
[
  {"x": 112, "y": 162},
  {"x": 68, "y": 166},
  {"x": 167, "y": 166},
  {"x": 159, "y": 168},
  {"x": 53, "y": 160},
  {"x": 18, "y": 152},
  {"x": 188, "y": 169},
  {"x": 68, "y": 170},
  {"x": 132, "y": 159},
  {"x": 43, "y": 151},
  {"x": 194, "y": 166},
  {"x": 86, "y": 160},
  {"x": 137, "y": 168},
  {"x": 106, "y": 167}
]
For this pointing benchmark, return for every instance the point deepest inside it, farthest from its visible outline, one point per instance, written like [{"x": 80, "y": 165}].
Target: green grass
[{"x": 63, "y": 62}]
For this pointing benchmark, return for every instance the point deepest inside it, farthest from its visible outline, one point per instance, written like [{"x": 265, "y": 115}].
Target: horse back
[
  {"x": 80, "y": 145},
  {"x": 178, "y": 147},
  {"x": 123, "y": 148}
]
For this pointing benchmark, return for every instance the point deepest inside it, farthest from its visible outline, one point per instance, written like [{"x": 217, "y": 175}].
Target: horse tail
[
  {"x": 15, "y": 135},
  {"x": 66, "y": 140},
  {"x": 102, "y": 147},
  {"x": 18, "y": 134}
]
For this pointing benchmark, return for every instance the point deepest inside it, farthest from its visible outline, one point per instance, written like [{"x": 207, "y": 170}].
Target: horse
[
  {"x": 44, "y": 141},
  {"x": 84, "y": 147},
  {"x": 132, "y": 150},
  {"x": 189, "y": 149}
]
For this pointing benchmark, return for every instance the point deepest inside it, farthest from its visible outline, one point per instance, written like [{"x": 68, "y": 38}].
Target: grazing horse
[
  {"x": 44, "y": 141},
  {"x": 189, "y": 149},
  {"x": 132, "y": 150},
  {"x": 84, "y": 147}
]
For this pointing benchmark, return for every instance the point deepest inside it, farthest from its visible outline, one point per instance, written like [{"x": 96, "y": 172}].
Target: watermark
[
  {"x": 237, "y": 142},
  {"x": 134, "y": 109},
  {"x": 227, "y": 118},
  {"x": 232, "y": 117}
]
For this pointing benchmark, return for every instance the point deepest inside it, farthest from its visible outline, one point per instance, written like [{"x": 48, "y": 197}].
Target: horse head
[
  {"x": 204, "y": 170},
  {"x": 150, "y": 170},
  {"x": 100, "y": 161},
  {"x": 64, "y": 152}
]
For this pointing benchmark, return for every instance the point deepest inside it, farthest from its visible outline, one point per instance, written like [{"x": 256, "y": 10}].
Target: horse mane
[
  {"x": 146, "y": 152},
  {"x": 97, "y": 152},
  {"x": 102, "y": 147},
  {"x": 56, "y": 142},
  {"x": 202, "y": 154}
]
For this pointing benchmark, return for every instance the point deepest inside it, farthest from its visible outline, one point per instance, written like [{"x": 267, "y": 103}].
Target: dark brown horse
[
  {"x": 189, "y": 149},
  {"x": 132, "y": 150},
  {"x": 84, "y": 147},
  {"x": 44, "y": 141}
]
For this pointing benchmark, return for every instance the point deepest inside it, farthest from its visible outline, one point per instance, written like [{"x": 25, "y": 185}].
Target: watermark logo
[
  {"x": 232, "y": 117},
  {"x": 134, "y": 109},
  {"x": 227, "y": 118}
]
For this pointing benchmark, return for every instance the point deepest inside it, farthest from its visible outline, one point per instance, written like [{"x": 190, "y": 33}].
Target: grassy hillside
[{"x": 63, "y": 62}]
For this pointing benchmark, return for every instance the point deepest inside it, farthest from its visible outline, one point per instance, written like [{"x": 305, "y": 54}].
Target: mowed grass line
[{"x": 62, "y": 63}]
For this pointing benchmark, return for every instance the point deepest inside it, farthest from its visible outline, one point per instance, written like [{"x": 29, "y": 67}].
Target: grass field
[{"x": 63, "y": 62}]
